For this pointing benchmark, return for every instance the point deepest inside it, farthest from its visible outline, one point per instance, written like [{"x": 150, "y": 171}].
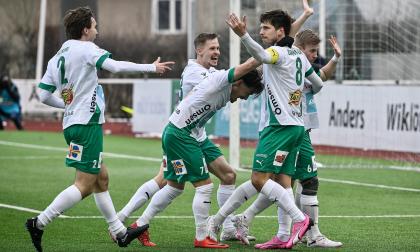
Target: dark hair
[
  {"x": 277, "y": 18},
  {"x": 253, "y": 80},
  {"x": 76, "y": 20},
  {"x": 202, "y": 38}
]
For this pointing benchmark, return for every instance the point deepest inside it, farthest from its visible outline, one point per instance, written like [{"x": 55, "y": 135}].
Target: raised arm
[
  {"x": 307, "y": 12},
  {"x": 257, "y": 51},
  {"x": 125, "y": 66},
  {"x": 327, "y": 71}
]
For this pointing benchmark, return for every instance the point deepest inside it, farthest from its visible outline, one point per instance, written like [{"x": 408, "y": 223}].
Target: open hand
[
  {"x": 335, "y": 46},
  {"x": 237, "y": 25},
  {"x": 162, "y": 67},
  {"x": 307, "y": 9}
]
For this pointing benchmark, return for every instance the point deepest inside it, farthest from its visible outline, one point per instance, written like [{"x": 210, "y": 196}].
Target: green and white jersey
[
  {"x": 73, "y": 72},
  {"x": 193, "y": 74},
  {"x": 310, "y": 112},
  {"x": 202, "y": 102},
  {"x": 284, "y": 82}
]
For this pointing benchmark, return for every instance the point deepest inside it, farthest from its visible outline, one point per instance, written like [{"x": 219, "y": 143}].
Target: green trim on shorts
[
  {"x": 85, "y": 147},
  {"x": 305, "y": 164},
  {"x": 47, "y": 87},
  {"x": 277, "y": 149}
]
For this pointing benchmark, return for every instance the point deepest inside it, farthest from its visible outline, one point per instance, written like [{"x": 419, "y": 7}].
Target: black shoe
[
  {"x": 36, "y": 233},
  {"x": 131, "y": 234}
]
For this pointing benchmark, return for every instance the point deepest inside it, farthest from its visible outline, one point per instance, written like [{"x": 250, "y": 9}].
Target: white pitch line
[
  {"x": 107, "y": 154},
  {"x": 370, "y": 185},
  {"x": 116, "y": 155},
  {"x": 30, "y": 210},
  {"x": 27, "y": 157}
]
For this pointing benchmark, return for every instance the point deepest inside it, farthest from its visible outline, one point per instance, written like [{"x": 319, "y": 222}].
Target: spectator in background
[{"x": 9, "y": 102}]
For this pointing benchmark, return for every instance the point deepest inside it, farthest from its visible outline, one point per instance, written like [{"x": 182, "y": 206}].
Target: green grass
[{"x": 32, "y": 177}]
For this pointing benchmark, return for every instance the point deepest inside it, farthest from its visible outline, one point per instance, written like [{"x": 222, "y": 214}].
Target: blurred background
[{"x": 371, "y": 107}]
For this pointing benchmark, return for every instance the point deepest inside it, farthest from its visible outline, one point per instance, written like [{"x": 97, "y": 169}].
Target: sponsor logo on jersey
[
  {"x": 280, "y": 157},
  {"x": 67, "y": 95},
  {"x": 165, "y": 163},
  {"x": 273, "y": 101},
  {"x": 93, "y": 102},
  {"x": 197, "y": 113},
  {"x": 179, "y": 167},
  {"x": 75, "y": 152},
  {"x": 294, "y": 98}
]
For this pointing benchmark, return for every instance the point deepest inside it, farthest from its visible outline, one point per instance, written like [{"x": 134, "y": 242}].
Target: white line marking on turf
[
  {"x": 30, "y": 210},
  {"x": 369, "y": 185},
  {"x": 28, "y": 157},
  {"x": 116, "y": 155},
  {"x": 107, "y": 154},
  {"x": 348, "y": 182},
  {"x": 24, "y": 209}
]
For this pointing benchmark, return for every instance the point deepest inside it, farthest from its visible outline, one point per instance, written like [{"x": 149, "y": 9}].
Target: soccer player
[
  {"x": 207, "y": 50},
  {"x": 185, "y": 153},
  {"x": 73, "y": 72},
  {"x": 281, "y": 124},
  {"x": 306, "y": 170}
]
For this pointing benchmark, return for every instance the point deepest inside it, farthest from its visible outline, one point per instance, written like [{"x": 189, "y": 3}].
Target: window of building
[{"x": 169, "y": 16}]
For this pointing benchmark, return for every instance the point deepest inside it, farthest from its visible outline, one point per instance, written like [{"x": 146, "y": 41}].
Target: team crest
[
  {"x": 67, "y": 95},
  {"x": 280, "y": 157},
  {"x": 295, "y": 97},
  {"x": 165, "y": 163},
  {"x": 179, "y": 167},
  {"x": 75, "y": 152}
]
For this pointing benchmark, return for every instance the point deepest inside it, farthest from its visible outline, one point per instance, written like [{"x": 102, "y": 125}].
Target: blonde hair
[{"x": 306, "y": 37}]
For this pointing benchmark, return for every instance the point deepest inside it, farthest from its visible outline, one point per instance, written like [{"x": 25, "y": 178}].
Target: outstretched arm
[
  {"x": 256, "y": 50},
  {"x": 125, "y": 66},
  {"x": 327, "y": 71},
  {"x": 307, "y": 12},
  {"x": 245, "y": 68}
]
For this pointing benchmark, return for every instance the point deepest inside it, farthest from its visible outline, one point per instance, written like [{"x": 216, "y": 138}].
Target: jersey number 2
[{"x": 62, "y": 60}]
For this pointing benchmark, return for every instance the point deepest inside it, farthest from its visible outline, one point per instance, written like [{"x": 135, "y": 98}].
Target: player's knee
[
  {"x": 229, "y": 178},
  {"x": 102, "y": 181},
  {"x": 310, "y": 186}
]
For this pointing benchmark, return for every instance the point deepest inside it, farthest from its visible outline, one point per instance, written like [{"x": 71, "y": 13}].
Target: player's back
[
  {"x": 284, "y": 83},
  {"x": 73, "y": 72}
]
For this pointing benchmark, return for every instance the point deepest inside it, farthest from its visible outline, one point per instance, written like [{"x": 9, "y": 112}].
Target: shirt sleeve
[
  {"x": 222, "y": 79},
  {"x": 47, "y": 82},
  {"x": 96, "y": 56}
]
